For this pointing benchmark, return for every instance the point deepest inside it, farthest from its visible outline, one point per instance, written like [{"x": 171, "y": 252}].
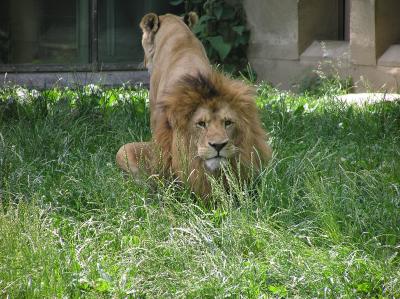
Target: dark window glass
[
  {"x": 44, "y": 31},
  {"x": 62, "y": 32},
  {"x": 119, "y": 32},
  {"x": 344, "y": 20}
]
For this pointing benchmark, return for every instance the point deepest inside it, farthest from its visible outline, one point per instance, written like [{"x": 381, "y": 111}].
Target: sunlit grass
[{"x": 323, "y": 220}]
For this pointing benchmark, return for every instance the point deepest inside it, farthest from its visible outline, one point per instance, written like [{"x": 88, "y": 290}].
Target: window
[
  {"x": 44, "y": 32},
  {"x": 118, "y": 29},
  {"x": 73, "y": 34}
]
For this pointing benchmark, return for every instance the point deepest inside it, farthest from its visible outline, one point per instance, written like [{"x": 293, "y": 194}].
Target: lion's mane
[{"x": 179, "y": 104}]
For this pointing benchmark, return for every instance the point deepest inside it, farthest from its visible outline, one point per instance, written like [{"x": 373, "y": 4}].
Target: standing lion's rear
[{"x": 171, "y": 52}]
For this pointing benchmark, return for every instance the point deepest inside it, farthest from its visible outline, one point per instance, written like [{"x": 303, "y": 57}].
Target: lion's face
[{"x": 213, "y": 132}]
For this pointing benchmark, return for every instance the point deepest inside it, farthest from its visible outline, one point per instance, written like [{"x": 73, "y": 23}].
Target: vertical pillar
[{"x": 362, "y": 32}]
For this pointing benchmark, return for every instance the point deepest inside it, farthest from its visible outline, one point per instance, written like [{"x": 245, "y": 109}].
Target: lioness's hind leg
[{"x": 134, "y": 158}]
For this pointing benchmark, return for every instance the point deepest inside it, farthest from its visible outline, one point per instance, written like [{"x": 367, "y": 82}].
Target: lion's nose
[{"x": 218, "y": 146}]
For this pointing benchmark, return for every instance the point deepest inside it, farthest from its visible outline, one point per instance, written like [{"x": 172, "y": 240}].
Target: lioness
[{"x": 200, "y": 119}]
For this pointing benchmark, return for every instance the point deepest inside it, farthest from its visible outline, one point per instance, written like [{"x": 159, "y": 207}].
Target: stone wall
[
  {"x": 285, "y": 44},
  {"x": 270, "y": 37}
]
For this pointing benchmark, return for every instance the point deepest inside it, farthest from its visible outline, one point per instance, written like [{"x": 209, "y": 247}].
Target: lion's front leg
[{"x": 135, "y": 158}]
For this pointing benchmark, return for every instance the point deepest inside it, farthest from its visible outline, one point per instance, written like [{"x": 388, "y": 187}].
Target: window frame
[{"x": 94, "y": 64}]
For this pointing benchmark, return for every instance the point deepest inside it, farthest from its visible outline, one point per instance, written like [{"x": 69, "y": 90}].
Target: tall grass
[{"x": 322, "y": 220}]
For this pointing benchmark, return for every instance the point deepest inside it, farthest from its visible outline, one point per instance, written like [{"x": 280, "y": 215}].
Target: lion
[{"x": 202, "y": 121}]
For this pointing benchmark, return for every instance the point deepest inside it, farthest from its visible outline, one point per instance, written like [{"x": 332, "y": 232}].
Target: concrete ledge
[
  {"x": 63, "y": 79},
  {"x": 391, "y": 57},
  {"x": 368, "y": 98},
  {"x": 321, "y": 50}
]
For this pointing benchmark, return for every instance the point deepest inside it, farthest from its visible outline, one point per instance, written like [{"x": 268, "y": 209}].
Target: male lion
[{"x": 200, "y": 119}]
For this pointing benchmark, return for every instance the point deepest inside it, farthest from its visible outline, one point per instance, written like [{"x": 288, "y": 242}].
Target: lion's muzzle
[{"x": 215, "y": 163}]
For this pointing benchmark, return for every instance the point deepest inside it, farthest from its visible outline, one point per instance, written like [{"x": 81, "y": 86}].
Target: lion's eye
[
  {"x": 228, "y": 123},
  {"x": 201, "y": 124}
]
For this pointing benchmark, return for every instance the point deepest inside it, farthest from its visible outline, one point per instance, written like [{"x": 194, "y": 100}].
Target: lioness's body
[
  {"x": 199, "y": 118},
  {"x": 182, "y": 53}
]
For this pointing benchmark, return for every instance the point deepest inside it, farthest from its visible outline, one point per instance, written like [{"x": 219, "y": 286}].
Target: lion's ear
[
  {"x": 191, "y": 19},
  {"x": 150, "y": 23}
]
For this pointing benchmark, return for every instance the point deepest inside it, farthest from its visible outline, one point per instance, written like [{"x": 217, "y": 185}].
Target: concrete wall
[
  {"x": 70, "y": 79},
  {"x": 362, "y": 32},
  {"x": 273, "y": 25},
  {"x": 284, "y": 35}
]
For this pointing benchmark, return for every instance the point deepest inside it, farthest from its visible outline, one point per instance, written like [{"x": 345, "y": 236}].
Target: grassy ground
[{"x": 322, "y": 221}]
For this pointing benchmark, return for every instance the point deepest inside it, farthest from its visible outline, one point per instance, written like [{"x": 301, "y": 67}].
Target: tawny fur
[{"x": 183, "y": 85}]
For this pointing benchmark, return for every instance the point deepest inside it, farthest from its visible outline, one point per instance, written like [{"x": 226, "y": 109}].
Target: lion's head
[{"x": 212, "y": 121}]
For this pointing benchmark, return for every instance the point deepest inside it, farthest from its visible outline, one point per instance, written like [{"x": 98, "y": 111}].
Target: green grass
[{"x": 323, "y": 220}]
